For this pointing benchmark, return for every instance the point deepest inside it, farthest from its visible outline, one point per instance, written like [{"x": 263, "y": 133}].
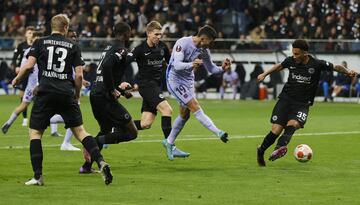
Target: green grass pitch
[{"x": 215, "y": 173}]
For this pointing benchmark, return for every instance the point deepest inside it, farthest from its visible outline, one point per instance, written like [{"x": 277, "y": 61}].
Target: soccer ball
[{"x": 303, "y": 153}]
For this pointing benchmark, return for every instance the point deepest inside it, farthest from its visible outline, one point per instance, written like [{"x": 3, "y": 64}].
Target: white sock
[
  {"x": 176, "y": 128},
  {"x": 53, "y": 128},
  {"x": 333, "y": 95},
  {"x": 234, "y": 91},
  {"x": 12, "y": 118},
  {"x": 56, "y": 119},
  {"x": 68, "y": 136},
  {"x": 206, "y": 121}
]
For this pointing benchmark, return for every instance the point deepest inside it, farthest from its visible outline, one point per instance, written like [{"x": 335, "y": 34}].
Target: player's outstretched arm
[
  {"x": 78, "y": 80},
  {"x": 24, "y": 70},
  {"x": 276, "y": 67},
  {"x": 342, "y": 69}
]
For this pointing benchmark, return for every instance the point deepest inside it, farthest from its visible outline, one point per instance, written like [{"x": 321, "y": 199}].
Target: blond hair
[
  {"x": 59, "y": 21},
  {"x": 152, "y": 26}
]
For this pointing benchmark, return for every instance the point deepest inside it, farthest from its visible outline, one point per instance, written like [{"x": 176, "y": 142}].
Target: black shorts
[
  {"x": 47, "y": 105},
  {"x": 152, "y": 97},
  {"x": 286, "y": 110},
  {"x": 109, "y": 113}
]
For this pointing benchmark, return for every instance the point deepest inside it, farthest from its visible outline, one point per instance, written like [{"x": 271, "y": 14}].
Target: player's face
[
  {"x": 205, "y": 42},
  {"x": 299, "y": 55},
  {"x": 28, "y": 34},
  {"x": 72, "y": 35},
  {"x": 155, "y": 36}
]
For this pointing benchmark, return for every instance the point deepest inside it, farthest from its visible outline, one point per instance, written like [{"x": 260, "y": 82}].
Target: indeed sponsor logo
[
  {"x": 300, "y": 77},
  {"x": 154, "y": 62}
]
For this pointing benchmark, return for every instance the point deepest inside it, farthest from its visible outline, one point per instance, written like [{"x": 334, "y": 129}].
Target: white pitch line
[{"x": 201, "y": 137}]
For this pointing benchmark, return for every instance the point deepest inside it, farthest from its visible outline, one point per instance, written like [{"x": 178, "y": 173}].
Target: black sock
[
  {"x": 115, "y": 137},
  {"x": 268, "y": 141},
  {"x": 24, "y": 113},
  {"x": 166, "y": 125},
  {"x": 138, "y": 124},
  {"x": 286, "y": 136},
  {"x": 90, "y": 145},
  {"x": 36, "y": 156}
]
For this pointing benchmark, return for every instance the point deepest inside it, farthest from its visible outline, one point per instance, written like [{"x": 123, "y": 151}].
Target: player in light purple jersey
[
  {"x": 230, "y": 80},
  {"x": 28, "y": 93},
  {"x": 190, "y": 53}
]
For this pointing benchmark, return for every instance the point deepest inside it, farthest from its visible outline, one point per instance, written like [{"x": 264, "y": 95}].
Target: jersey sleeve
[
  {"x": 286, "y": 63},
  {"x": 35, "y": 49},
  {"x": 179, "y": 57},
  {"x": 107, "y": 65},
  {"x": 16, "y": 55},
  {"x": 132, "y": 55},
  {"x": 324, "y": 65},
  {"x": 209, "y": 64},
  {"x": 78, "y": 60}
]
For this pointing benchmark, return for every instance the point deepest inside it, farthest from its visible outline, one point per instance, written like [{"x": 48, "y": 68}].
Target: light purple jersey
[
  {"x": 32, "y": 80},
  {"x": 230, "y": 77},
  {"x": 180, "y": 74}
]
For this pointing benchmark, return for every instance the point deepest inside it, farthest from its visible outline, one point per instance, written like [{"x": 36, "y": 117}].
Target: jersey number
[
  {"x": 301, "y": 116},
  {"x": 62, "y": 52}
]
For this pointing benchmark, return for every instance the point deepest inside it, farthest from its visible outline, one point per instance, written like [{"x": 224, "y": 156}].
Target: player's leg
[
  {"x": 54, "y": 125},
  {"x": 279, "y": 118},
  {"x": 222, "y": 91},
  {"x": 36, "y": 156},
  {"x": 147, "y": 119},
  {"x": 194, "y": 107},
  {"x": 66, "y": 145},
  {"x": 234, "y": 90},
  {"x": 24, "y": 112},
  {"x": 5, "y": 127},
  {"x": 297, "y": 118}
]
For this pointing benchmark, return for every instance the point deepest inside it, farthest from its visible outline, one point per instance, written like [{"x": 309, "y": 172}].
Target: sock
[
  {"x": 326, "y": 89},
  {"x": 286, "y": 136},
  {"x": 24, "y": 113},
  {"x": 68, "y": 136},
  {"x": 90, "y": 145},
  {"x": 119, "y": 135},
  {"x": 222, "y": 91},
  {"x": 166, "y": 125},
  {"x": 138, "y": 124},
  {"x": 12, "y": 118},
  {"x": 333, "y": 95},
  {"x": 56, "y": 119},
  {"x": 36, "y": 156},
  {"x": 268, "y": 141},
  {"x": 234, "y": 91},
  {"x": 53, "y": 128},
  {"x": 206, "y": 121},
  {"x": 176, "y": 128}
]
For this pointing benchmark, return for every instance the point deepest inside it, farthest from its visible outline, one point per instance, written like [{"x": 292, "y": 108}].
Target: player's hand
[
  {"x": 17, "y": 70},
  {"x": 125, "y": 86},
  {"x": 116, "y": 93},
  {"x": 261, "y": 77},
  {"x": 36, "y": 90},
  {"x": 197, "y": 63},
  {"x": 15, "y": 81},
  {"x": 86, "y": 83},
  {"x": 135, "y": 87},
  {"x": 352, "y": 73},
  {"x": 226, "y": 65}
]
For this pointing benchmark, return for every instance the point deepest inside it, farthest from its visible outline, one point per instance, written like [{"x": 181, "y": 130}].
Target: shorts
[
  {"x": 109, "y": 113},
  {"x": 47, "y": 105},
  {"x": 182, "y": 92},
  {"x": 285, "y": 110},
  {"x": 152, "y": 97}
]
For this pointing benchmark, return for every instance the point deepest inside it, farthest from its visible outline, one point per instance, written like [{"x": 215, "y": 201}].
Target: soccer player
[
  {"x": 58, "y": 93},
  {"x": 150, "y": 56},
  {"x": 190, "y": 53},
  {"x": 292, "y": 108},
  {"x": 32, "y": 81},
  {"x": 115, "y": 122},
  {"x": 16, "y": 63},
  {"x": 230, "y": 79}
]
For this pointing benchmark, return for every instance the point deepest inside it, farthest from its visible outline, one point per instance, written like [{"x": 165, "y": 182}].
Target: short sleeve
[
  {"x": 78, "y": 60},
  {"x": 286, "y": 63},
  {"x": 35, "y": 49},
  {"x": 325, "y": 65}
]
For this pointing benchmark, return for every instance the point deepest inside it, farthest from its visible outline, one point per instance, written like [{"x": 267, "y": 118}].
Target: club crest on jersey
[
  {"x": 162, "y": 52},
  {"x": 311, "y": 70},
  {"x": 161, "y": 96},
  {"x": 274, "y": 118},
  {"x": 126, "y": 116},
  {"x": 178, "y": 48}
]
